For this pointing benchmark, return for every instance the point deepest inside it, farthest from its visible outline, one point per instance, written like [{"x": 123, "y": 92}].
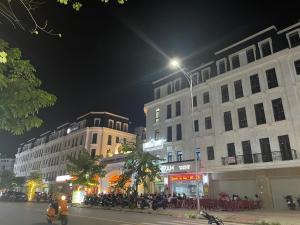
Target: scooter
[
  {"x": 55, "y": 213},
  {"x": 290, "y": 202},
  {"x": 211, "y": 219},
  {"x": 162, "y": 203}
]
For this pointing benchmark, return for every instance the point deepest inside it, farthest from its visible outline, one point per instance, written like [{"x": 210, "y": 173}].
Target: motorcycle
[
  {"x": 211, "y": 219},
  {"x": 159, "y": 203},
  {"x": 144, "y": 202},
  {"x": 57, "y": 211},
  {"x": 290, "y": 202}
]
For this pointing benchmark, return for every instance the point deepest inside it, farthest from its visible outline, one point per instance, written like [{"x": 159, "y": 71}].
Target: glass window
[
  {"x": 294, "y": 39},
  {"x": 254, "y": 82},
  {"x": 222, "y": 67},
  {"x": 231, "y": 150},
  {"x": 265, "y": 150},
  {"x": 238, "y": 87},
  {"x": 228, "y": 121},
  {"x": 157, "y": 93},
  {"x": 169, "y": 111},
  {"x": 235, "y": 61},
  {"x": 198, "y": 155},
  {"x": 118, "y": 125},
  {"x": 196, "y": 125},
  {"x": 210, "y": 153},
  {"x": 169, "y": 88},
  {"x": 278, "y": 110},
  {"x": 285, "y": 147},
  {"x": 205, "y": 74},
  {"x": 178, "y": 108},
  {"x": 94, "y": 138},
  {"x": 170, "y": 156},
  {"x": 242, "y": 117},
  {"x": 250, "y": 55},
  {"x": 225, "y": 93},
  {"x": 208, "y": 123},
  {"x": 247, "y": 152},
  {"x": 125, "y": 127},
  {"x": 178, "y": 132},
  {"x": 297, "y": 66},
  {"x": 272, "y": 78},
  {"x": 156, "y": 135},
  {"x": 97, "y": 122},
  {"x": 93, "y": 153},
  {"x": 169, "y": 134},
  {"x": 266, "y": 48},
  {"x": 117, "y": 140},
  {"x": 179, "y": 156},
  {"x": 111, "y": 124},
  {"x": 124, "y": 140},
  {"x": 195, "y": 79},
  {"x": 194, "y": 101},
  {"x": 109, "y": 139},
  {"x": 157, "y": 115},
  {"x": 205, "y": 97},
  {"x": 177, "y": 85},
  {"x": 260, "y": 113}
]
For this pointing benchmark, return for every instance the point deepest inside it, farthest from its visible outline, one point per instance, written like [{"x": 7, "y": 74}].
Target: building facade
[
  {"x": 245, "y": 126},
  {"x": 100, "y": 133},
  {"x": 7, "y": 164}
]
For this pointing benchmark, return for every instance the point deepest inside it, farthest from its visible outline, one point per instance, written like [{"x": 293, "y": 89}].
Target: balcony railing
[{"x": 259, "y": 157}]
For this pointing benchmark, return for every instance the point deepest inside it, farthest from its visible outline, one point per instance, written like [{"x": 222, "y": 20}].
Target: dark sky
[{"x": 110, "y": 54}]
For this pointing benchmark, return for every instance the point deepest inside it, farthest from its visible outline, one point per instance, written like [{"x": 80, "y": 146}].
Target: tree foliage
[
  {"x": 139, "y": 166},
  {"x": 8, "y": 180},
  {"x": 85, "y": 170},
  {"x": 20, "y": 95}
]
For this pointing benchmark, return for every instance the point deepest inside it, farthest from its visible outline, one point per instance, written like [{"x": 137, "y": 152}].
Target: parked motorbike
[
  {"x": 211, "y": 219},
  {"x": 159, "y": 203},
  {"x": 144, "y": 202},
  {"x": 290, "y": 202}
]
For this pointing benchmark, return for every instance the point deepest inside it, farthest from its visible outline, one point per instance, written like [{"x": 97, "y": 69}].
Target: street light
[{"x": 175, "y": 63}]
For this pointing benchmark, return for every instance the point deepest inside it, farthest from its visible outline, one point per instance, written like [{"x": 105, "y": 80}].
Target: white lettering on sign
[
  {"x": 184, "y": 167},
  {"x": 167, "y": 168}
]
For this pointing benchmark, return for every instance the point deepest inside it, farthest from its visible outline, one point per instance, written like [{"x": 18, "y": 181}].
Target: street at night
[{"x": 34, "y": 214}]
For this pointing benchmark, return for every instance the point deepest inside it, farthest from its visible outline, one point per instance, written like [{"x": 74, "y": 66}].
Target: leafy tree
[
  {"x": 33, "y": 183},
  {"x": 139, "y": 166},
  {"x": 85, "y": 170},
  {"x": 20, "y": 95},
  {"x": 8, "y": 180}
]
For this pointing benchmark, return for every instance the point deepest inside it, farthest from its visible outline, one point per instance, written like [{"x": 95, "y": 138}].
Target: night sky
[{"x": 110, "y": 54}]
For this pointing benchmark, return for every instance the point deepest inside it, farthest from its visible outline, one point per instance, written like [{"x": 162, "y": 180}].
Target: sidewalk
[{"x": 284, "y": 217}]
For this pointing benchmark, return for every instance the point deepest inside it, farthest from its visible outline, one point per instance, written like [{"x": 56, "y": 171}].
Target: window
[
  {"x": 81, "y": 140},
  {"x": 265, "y": 147},
  {"x": 208, "y": 123},
  {"x": 238, "y": 87},
  {"x": 205, "y": 97},
  {"x": 297, "y": 66},
  {"x": 205, "y": 74},
  {"x": 225, "y": 93},
  {"x": 111, "y": 124},
  {"x": 94, "y": 138},
  {"x": 265, "y": 48},
  {"x": 254, "y": 82},
  {"x": 170, "y": 156},
  {"x": 195, "y": 79},
  {"x": 169, "y": 88},
  {"x": 198, "y": 155},
  {"x": 178, "y": 109},
  {"x": 118, "y": 125},
  {"x": 285, "y": 147},
  {"x": 97, "y": 122},
  {"x": 250, "y": 55},
  {"x": 278, "y": 110},
  {"x": 247, "y": 152},
  {"x": 221, "y": 65},
  {"x": 157, "y": 93},
  {"x": 235, "y": 61},
  {"x": 231, "y": 150},
  {"x": 227, "y": 121},
  {"x": 242, "y": 117},
  {"x": 169, "y": 111},
  {"x": 210, "y": 153},
  {"x": 117, "y": 140},
  {"x": 177, "y": 85},
  {"x": 93, "y": 153},
  {"x": 195, "y": 101},
  {"x": 157, "y": 115},
  {"x": 272, "y": 79},
  {"x": 179, "y": 156},
  {"x": 294, "y": 39},
  {"x": 260, "y": 113},
  {"x": 178, "y": 132},
  {"x": 169, "y": 134},
  {"x": 125, "y": 127},
  {"x": 196, "y": 125},
  {"x": 109, "y": 139},
  {"x": 156, "y": 135},
  {"x": 124, "y": 140}
]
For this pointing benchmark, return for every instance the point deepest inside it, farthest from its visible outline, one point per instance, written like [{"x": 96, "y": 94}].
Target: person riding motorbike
[{"x": 58, "y": 210}]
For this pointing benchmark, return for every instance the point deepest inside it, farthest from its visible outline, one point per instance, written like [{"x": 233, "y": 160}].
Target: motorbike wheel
[{"x": 64, "y": 220}]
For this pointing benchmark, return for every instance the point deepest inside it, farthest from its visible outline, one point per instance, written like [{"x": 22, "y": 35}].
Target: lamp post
[{"x": 175, "y": 63}]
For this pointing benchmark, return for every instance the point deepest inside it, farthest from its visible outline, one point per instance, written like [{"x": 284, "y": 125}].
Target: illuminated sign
[
  {"x": 154, "y": 145},
  {"x": 167, "y": 168},
  {"x": 184, "y": 167},
  {"x": 63, "y": 178},
  {"x": 185, "y": 177},
  {"x": 176, "y": 168}
]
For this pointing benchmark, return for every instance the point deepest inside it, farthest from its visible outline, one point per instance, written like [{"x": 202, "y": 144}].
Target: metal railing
[{"x": 260, "y": 157}]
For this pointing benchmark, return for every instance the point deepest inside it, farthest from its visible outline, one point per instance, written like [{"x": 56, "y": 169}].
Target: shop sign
[
  {"x": 154, "y": 145},
  {"x": 63, "y": 178},
  {"x": 185, "y": 177},
  {"x": 184, "y": 167},
  {"x": 231, "y": 160},
  {"x": 167, "y": 168},
  {"x": 176, "y": 168}
]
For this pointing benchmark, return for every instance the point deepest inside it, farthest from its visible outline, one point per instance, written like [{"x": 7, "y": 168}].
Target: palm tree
[{"x": 85, "y": 170}]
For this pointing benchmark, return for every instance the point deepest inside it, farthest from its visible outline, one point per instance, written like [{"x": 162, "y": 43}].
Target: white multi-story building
[
  {"x": 246, "y": 121},
  {"x": 100, "y": 133},
  {"x": 7, "y": 164}
]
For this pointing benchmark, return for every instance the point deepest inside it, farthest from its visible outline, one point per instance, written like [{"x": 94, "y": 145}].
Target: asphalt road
[{"x": 34, "y": 214}]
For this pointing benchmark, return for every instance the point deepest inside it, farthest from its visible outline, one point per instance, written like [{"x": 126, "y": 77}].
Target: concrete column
[{"x": 264, "y": 191}]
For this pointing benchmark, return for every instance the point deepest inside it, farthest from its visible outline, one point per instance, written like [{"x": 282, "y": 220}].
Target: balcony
[{"x": 260, "y": 158}]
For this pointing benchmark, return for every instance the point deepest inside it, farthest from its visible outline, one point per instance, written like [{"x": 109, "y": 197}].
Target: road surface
[{"x": 12, "y": 213}]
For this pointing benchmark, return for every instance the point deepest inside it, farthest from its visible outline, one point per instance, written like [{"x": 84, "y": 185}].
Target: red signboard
[{"x": 185, "y": 177}]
